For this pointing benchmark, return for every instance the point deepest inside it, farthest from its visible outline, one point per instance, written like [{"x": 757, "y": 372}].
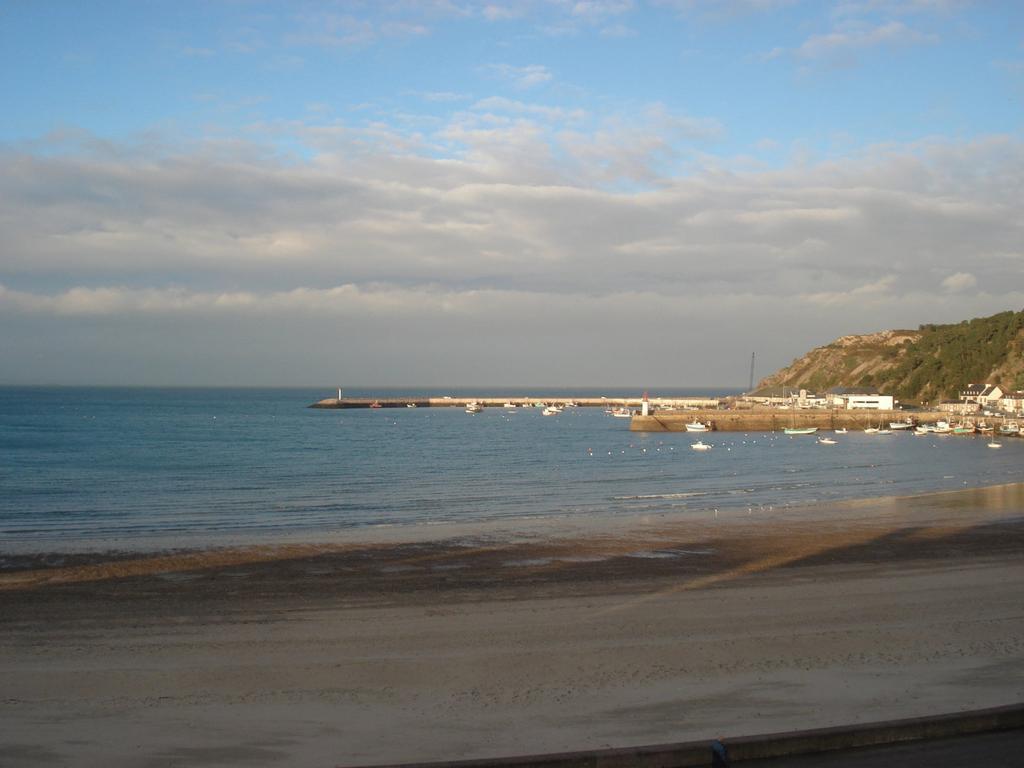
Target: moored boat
[
  {"x": 800, "y": 430},
  {"x": 700, "y": 445},
  {"x": 697, "y": 426}
]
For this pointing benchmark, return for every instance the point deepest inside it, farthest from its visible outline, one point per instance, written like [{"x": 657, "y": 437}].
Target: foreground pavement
[{"x": 987, "y": 750}]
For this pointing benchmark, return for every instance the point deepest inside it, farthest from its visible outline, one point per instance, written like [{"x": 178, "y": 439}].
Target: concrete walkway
[{"x": 987, "y": 750}]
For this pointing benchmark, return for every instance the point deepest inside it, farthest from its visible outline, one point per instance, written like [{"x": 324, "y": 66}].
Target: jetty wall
[
  {"x": 773, "y": 419},
  {"x": 498, "y": 402}
]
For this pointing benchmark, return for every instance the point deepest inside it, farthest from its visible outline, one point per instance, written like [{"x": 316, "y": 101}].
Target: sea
[{"x": 141, "y": 469}]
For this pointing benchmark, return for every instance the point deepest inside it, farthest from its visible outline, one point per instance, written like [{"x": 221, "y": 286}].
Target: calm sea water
[{"x": 84, "y": 468}]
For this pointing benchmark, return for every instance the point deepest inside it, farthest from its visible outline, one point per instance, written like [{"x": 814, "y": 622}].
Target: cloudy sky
[{"x": 439, "y": 192}]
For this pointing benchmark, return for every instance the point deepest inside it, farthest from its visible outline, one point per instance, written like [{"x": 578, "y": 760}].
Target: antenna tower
[{"x": 751, "y": 387}]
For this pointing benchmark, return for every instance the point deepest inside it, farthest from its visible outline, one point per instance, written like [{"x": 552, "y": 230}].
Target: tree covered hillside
[{"x": 932, "y": 363}]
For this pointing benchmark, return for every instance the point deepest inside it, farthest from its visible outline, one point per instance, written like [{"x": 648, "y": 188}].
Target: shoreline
[
  {"x": 524, "y": 642},
  {"x": 583, "y": 545}
]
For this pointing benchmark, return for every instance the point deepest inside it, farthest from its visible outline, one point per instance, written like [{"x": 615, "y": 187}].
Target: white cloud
[
  {"x": 959, "y": 282},
  {"x": 552, "y": 114},
  {"x": 502, "y": 12},
  {"x": 598, "y": 10},
  {"x": 853, "y": 37},
  {"x": 442, "y": 96},
  {"x": 497, "y": 217},
  {"x": 521, "y": 78}
]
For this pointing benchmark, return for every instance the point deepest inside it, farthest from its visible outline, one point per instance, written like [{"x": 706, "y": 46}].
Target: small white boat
[
  {"x": 871, "y": 431},
  {"x": 841, "y": 431},
  {"x": 410, "y": 405},
  {"x": 696, "y": 426},
  {"x": 800, "y": 430},
  {"x": 993, "y": 443},
  {"x": 622, "y": 413},
  {"x": 700, "y": 445},
  {"x": 826, "y": 441},
  {"x": 509, "y": 405},
  {"x": 550, "y": 411},
  {"x": 474, "y": 408},
  {"x": 901, "y": 425}
]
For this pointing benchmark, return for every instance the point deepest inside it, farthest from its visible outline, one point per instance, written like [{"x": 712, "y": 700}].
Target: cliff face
[{"x": 931, "y": 363}]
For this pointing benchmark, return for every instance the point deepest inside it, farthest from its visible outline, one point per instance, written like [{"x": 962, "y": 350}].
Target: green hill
[{"x": 932, "y": 363}]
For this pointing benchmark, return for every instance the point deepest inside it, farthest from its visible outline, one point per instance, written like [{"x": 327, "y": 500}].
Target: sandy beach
[{"x": 445, "y": 644}]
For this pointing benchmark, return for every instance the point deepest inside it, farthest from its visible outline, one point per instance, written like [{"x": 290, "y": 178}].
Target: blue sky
[{"x": 200, "y": 192}]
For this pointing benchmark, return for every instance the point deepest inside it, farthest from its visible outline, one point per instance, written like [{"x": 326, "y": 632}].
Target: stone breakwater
[
  {"x": 499, "y": 402},
  {"x": 772, "y": 420}
]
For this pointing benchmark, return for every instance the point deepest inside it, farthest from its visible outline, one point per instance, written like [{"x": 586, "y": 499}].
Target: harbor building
[
  {"x": 985, "y": 395},
  {"x": 860, "y": 398},
  {"x": 1012, "y": 402}
]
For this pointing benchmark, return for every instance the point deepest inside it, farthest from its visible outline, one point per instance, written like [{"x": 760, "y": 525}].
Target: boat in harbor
[
  {"x": 938, "y": 428},
  {"x": 697, "y": 426},
  {"x": 622, "y": 413},
  {"x": 826, "y": 441},
  {"x": 800, "y": 430},
  {"x": 474, "y": 407},
  {"x": 700, "y": 445},
  {"x": 551, "y": 411},
  {"x": 1009, "y": 428},
  {"x": 908, "y": 424},
  {"x": 509, "y": 405}
]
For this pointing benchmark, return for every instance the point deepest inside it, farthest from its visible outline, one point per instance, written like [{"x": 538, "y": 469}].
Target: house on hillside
[
  {"x": 860, "y": 398},
  {"x": 958, "y": 407},
  {"x": 985, "y": 395},
  {"x": 1012, "y": 402}
]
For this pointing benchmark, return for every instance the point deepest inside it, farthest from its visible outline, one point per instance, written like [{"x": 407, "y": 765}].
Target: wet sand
[{"x": 534, "y": 638}]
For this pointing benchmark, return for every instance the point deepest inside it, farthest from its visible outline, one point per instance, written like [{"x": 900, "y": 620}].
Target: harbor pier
[
  {"x": 776, "y": 420},
  {"x": 657, "y": 403}
]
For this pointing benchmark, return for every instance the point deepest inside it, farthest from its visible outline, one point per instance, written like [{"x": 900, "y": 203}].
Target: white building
[
  {"x": 871, "y": 402},
  {"x": 985, "y": 395},
  {"x": 1012, "y": 402},
  {"x": 860, "y": 398}
]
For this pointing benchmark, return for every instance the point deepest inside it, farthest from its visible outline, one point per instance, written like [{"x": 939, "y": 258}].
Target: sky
[{"x": 462, "y": 192}]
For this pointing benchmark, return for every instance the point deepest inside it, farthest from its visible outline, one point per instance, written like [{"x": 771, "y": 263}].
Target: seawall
[
  {"x": 794, "y": 743},
  {"x": 498, "y": 402},
  {"x": 771, "y": 420}
]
